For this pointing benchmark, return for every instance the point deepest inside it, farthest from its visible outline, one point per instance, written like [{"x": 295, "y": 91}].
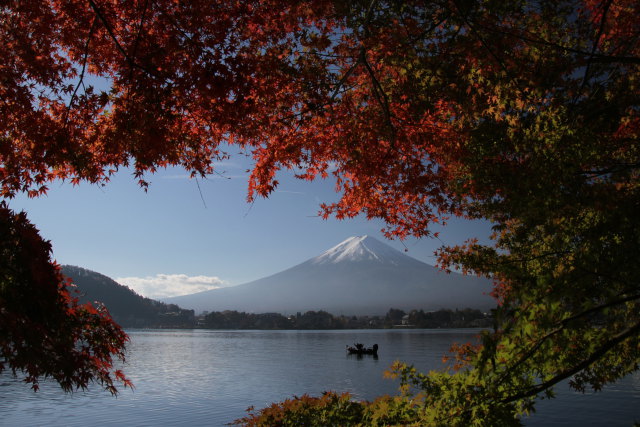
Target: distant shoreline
[{"x": 322, "y": 320}]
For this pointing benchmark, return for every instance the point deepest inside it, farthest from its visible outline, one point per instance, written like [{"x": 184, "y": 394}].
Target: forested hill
[{"x": 125, "y": 306}]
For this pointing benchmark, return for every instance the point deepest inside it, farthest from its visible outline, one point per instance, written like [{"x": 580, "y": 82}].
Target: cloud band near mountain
[{"x": 170, "y": 285}]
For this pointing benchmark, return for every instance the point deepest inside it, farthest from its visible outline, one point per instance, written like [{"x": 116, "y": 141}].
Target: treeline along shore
[{"x": 395, "y": 318}]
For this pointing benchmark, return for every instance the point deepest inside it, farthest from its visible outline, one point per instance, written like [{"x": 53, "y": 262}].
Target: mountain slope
[
  {"x": 358, "y": 276},
  {"x": 126, "y": 307}
]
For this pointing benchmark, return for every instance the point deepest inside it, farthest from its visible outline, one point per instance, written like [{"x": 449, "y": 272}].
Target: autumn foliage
[
  {"x": 523, "y": 113},
  {"x": 45, "y": 332}
]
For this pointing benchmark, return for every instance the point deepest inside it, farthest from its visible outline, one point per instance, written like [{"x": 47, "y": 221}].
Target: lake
[{"x": 209, "y": 378}]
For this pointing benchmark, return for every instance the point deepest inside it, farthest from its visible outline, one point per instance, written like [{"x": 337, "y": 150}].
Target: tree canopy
[{"x": 524, "y": 113}]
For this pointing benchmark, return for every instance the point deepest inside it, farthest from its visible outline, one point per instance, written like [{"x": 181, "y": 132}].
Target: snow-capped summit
[{"x": 359, "y": 248}]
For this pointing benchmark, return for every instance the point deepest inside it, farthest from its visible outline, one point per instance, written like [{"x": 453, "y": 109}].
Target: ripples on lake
[{"x": 210, "y": 377}]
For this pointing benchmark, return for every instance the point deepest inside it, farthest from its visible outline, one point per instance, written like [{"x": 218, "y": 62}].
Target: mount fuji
[{"x": 360, "y": 276}]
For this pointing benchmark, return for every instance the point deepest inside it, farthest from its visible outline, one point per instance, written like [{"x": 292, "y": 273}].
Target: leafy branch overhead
[{"x": 523, "y": 113}]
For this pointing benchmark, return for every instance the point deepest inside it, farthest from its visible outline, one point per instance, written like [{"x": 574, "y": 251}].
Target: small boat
[{"x": 360, "y": 349}]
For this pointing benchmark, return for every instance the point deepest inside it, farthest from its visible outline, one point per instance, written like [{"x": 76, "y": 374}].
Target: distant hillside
[
  {"x": 360, "y": 276},
  {"x": 127, "y": 308}
]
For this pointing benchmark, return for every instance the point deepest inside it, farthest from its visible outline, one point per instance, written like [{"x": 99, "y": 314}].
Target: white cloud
[{"x": 171, "y": 285}]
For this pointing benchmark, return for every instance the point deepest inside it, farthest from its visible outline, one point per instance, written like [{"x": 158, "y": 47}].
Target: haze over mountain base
[{"x": 360, "y": 276}]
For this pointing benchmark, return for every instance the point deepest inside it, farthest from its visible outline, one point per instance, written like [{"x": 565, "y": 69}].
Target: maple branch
[
  {"x": 367, "y": 17},
  {"x": 102, "y": 18},
  {"x": 599, "y": 58},
  {"x": 593, "y": 357},
  {"x": 595, "y": 44},
  {"x": 412, "y": 39},
  {"x": 200, "y": 191},
  {"x": 178, "y": 28},
  {"x": 524, "y": 260},
  {"x": 130, "y": 60},
  {"x": 343, "y": 79},
  {"x": 378, "y": 92},
  {"x": 608, "y": 277},
  {"x": 361, "y": 55},
  {"x": 528, "y": 354},
  {"x": 82, "y": 72},
  {"x": 601, "y": 307},
  {"x": 138, "y": 36},
  {"x": 611, "y": 59},
  {"x": 562, "y": 324},
  {"x": 612, "y": 169},
  {"x": 466, "y": 20}
]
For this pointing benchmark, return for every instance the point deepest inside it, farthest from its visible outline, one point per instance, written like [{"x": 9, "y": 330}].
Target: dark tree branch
[
  {"x": 600, "y": 308},
  {"x": 528, "y": 354},
  {"x": 593, "y": 357},
  {"x": 562, "y": 325},
  {"x": 613, "y": 59},
  {"x": 138, "y": 36},
  {"x": 82, "y": 72},
  {"x": 343, "y": 80},
  {"x": 612, "y": 169},
  {"x": 368, "y": 15},
  {"x": 596, "y": 42},
  {"x": 378, "y": 92},
  {"x": 478, "y": 36},
  {"x": 131, "y": 61},
  {"x": 598, "y": 58}
]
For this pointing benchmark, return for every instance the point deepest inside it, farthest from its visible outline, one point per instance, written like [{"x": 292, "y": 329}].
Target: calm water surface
[{"x": 209, "y": 378}]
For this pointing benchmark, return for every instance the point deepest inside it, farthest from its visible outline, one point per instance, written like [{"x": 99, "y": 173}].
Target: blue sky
[{"x": 178, "y": 238}]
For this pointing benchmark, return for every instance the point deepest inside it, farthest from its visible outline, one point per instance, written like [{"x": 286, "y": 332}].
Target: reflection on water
[{"x": 210, "y": 377}]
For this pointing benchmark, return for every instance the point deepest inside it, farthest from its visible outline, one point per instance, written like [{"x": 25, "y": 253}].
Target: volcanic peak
[{"x": 359, "y": 248}]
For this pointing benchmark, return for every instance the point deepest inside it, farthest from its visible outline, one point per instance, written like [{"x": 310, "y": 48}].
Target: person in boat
[{"x": 360, "y": 349}]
